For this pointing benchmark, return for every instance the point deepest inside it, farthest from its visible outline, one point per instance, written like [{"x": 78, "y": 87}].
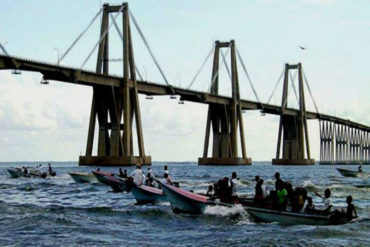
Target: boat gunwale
[
  {"x": 288, "y": 213},
  {"x": 173, "y": 188}
]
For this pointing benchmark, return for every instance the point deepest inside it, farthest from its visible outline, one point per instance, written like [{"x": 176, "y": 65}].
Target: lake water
[{"x": 58, "y": 212}]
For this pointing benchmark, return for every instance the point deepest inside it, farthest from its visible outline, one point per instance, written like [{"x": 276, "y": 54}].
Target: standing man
[{"x": 137, "y": 175}]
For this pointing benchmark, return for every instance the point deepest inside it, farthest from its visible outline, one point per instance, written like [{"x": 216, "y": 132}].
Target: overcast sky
[{"x": 49, "y": 122}]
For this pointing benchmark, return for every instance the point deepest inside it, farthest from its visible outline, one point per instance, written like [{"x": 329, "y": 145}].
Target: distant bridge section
[{"x": 89, "y": 78}]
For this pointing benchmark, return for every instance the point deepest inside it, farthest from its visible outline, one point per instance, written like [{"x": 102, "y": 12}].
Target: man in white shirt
[
  {"x": 137, "y": 175},
  {"x": 328, "y": 204},
  {"x": 166, "y": 171},
  {"x": 166, "y": 179}
]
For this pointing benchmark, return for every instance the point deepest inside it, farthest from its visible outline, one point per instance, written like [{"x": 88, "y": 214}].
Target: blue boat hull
[
  {"x": 144, "y": 196},
  {"x": 183, "y": 204},
  {"x": 292, "y": 218}
]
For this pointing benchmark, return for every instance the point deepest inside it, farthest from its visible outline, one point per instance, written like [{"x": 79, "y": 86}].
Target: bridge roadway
[{"x": 90, "y": 78}]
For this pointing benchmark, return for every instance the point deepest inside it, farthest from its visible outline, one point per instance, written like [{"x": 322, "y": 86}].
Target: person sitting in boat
[
  {"x": 328, "y": 204},
  {"x": 234, "y": 185},
  {"x": 210, "y": 191},
  {"x": 233, "y": 188},
  {"x": 98, "y": 169},
  {"x": 216, "y": 189},
  {"x": 299, "y": 199},
  {"x": 290, "y": 196},
  {"x": 166, "y": 170},
  {"x": 137, "y": 175},
  {"x": 224, "y": 190},
  {"x": 350, "y": 212},
  {"x": 310, "y": 207},
  {"x": 151, "y": 182},
  {"x": 39, "y": 169},
  {"x": 360, "y": 169},
  {"x": 260, "y": 193},
  {"x": 150, "y": 173},
  {"x": 122, "y": 174},
  {"x": 281, "y": 194},
  {"x": 25, "y": 171},
  {"x": 302, "y": 199},
  {"x": 145, "y": 179},
  {"x": 166, "y": 179},
  {"x": 277, "y": 178}
]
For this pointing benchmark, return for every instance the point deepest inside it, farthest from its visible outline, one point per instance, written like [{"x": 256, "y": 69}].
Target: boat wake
[
  {"x": 222, "y": 211},
  {"x": 309, "y": 185}
]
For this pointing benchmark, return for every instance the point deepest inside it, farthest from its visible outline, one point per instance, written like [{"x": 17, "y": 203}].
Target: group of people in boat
[
  {"x": 26, "y": 171},
  {"x": 225, "y": 189},
  {"x": 148, "y": 179},
  {"x": 284, "y": 197}
]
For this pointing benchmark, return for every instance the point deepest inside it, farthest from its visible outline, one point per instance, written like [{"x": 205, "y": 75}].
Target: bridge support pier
[
  {"x": 343, "y": 145},
  {"x": 225, "y": 120},
  {"x": 112, "y": 105},
  {"x": 293, "y": 129}
]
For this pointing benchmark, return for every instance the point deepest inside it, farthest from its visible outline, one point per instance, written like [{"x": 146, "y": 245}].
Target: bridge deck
[{"x": 90, "y": 78}]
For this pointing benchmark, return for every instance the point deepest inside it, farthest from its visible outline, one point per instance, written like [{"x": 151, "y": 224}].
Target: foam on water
[
  {"x": 309, "y": 185},
  {"x": 225, "y": 211}
]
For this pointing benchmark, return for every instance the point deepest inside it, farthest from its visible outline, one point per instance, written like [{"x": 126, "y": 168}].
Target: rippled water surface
[{"x": 58, "y": 212}]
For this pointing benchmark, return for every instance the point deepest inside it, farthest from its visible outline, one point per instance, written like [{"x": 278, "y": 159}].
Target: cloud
[{"x": 27, "y": 105}]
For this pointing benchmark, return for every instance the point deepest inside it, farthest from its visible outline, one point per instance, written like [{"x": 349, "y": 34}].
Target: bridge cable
[
  {"x": 309, "y": 90},
  {"x": 224, "y": 62},
  {"x": 276, "y": 85},
  {"x": 102, "y": 37},
  {"x": 147, "y": 46},
  {"x": 121, "y": 36},
  {"x": 290, "y": 89},
  {"x": 248, "y": 77},
  {"x": 217, "y": 72},
  {"x": 79, "y": 36},
  {"x": 201, "y": 67},
  {"x": 294, "y": 88},
  {"x": 3, "y": 49}
]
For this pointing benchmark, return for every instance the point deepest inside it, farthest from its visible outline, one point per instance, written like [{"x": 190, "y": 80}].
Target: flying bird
[{"x": 302, "y": 47}]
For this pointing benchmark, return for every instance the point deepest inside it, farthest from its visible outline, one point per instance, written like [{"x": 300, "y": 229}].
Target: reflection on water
[{"x": 58, "y": 211}]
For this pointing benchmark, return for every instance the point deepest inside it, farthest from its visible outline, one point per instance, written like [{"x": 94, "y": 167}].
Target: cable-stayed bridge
[{"x": 115, "y": 106}]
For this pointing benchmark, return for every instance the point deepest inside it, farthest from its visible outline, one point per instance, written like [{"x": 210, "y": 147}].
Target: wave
[
  {"x": 236, "y": 210},
  {"x": 309, "y": 185}
]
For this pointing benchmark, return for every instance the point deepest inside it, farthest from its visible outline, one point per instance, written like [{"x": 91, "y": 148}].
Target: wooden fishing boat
[
  {"x": 36, "y": 173},
  {"x": 83, "y": 177},
  {"x": 15, "y": 172},
  {"x": 349, "y": 173},
  {"x": 294, "y": 218},
  {"x": 145, "y": 194},
  {"x": 117, "y": 184},
  {"x": 32, "y": 173},
  {"x": 183, "y": 201},
  {"x": 107, "y": 178},
  {"x": 102, "y": 176}
]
